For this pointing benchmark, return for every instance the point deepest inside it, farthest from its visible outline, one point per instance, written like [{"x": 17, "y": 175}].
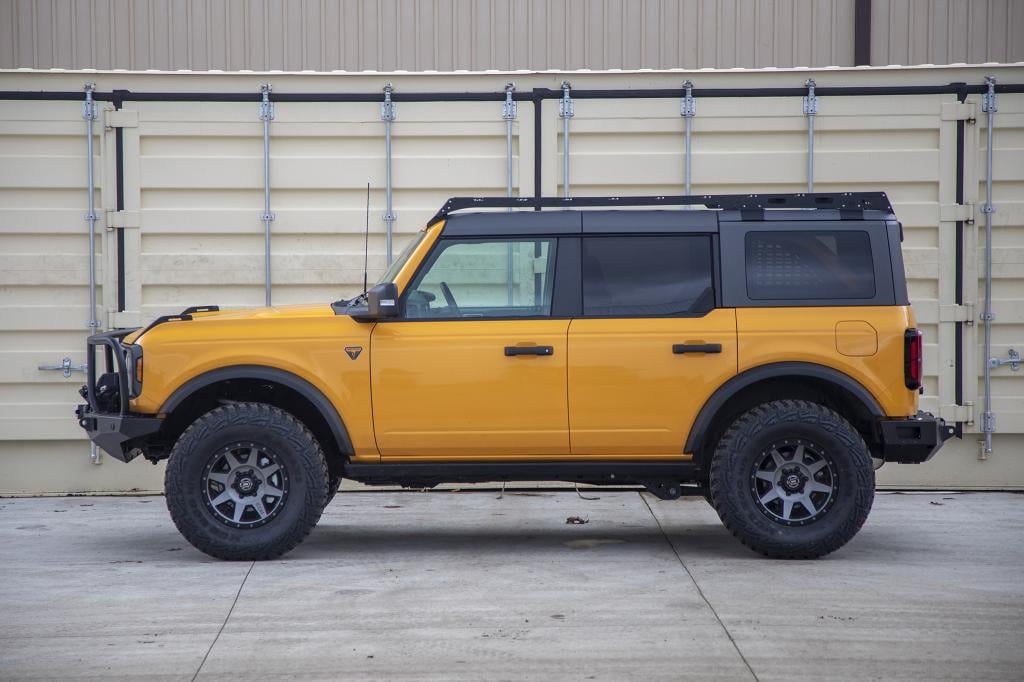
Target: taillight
[{"x": 912, "y": 359}]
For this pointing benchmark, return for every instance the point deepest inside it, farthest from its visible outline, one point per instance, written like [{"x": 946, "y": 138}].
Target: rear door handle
[
  {"x": 529, "y": 350},
  {"x": 683, "y": 348}
]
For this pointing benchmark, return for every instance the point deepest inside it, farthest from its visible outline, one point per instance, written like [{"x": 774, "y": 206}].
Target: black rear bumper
[{"x": 914, "y": 440}]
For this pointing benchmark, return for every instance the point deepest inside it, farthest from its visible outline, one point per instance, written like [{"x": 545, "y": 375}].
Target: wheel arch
[
  {"x": 265, "y": 384},
  {"x": 798, "y": 380}
]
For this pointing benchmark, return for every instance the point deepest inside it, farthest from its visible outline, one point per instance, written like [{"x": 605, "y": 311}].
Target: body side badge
[{"x": 353, "y": 351}]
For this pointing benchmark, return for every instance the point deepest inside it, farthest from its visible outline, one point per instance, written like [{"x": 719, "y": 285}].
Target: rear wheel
[
  {"x": 792, "y": 479},
  {"x": 246, "y": 481}
]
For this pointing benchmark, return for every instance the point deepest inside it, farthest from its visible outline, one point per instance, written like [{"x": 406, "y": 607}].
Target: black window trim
[{"x": 715, "y": 274}]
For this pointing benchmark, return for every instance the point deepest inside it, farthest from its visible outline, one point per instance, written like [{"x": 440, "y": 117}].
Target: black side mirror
[{"x": 382, "y": 301}]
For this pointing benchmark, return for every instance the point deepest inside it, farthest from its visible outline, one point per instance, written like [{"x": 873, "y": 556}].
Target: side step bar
[{"x": 428, "y": 475}]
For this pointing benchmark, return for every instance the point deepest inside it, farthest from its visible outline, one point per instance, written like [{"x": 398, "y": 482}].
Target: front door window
[{"x": 484, "y": 279}]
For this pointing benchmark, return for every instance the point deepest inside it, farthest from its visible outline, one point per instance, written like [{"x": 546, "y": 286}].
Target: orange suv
[{"x": 758, "y": 349}]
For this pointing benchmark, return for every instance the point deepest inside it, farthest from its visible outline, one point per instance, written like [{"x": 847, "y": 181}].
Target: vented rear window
[{"x": 809, "y": 265}]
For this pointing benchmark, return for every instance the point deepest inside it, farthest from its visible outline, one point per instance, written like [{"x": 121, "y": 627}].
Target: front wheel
[
  {"x": 792, "y": 479},
  {"x": 246, "y": 481}
]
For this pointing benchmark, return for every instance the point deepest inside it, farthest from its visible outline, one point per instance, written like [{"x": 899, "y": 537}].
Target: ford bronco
[{"x": 757, "y": 349}]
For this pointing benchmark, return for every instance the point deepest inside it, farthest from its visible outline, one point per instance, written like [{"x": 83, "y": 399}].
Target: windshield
[{"x": 399, "y": 263}]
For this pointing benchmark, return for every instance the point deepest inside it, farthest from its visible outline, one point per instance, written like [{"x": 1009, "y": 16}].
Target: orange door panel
[
  {"x": 637, "y": 384},
  {"x": 449, "y": 390}
]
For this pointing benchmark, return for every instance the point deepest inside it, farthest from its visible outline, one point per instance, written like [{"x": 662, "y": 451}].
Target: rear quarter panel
[{"x": 794, "y": 334}]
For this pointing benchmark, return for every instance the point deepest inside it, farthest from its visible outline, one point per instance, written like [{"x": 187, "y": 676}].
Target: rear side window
[
  {"x": 647, "y": 276},
  {"x": 806, "y": 265}
]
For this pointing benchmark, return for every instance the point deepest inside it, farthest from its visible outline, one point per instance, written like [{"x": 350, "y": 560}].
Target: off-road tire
[
  {"x": 732, "y": 484},
  {"x": 293, "y": 445},
  {"x": 333, "y": 484}
]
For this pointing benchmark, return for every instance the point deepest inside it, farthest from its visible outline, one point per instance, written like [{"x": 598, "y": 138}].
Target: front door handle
[
  {"x": 683, "y": 348},
  {"x": 528, "y": 350}
]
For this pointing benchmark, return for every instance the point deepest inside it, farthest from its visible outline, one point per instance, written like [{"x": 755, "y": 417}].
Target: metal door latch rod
[
  {"x": 509, "y": 110},
  {"x": 566, "y": 110},
  {"x": 687, "y": 109},
  {"x": 89, "y": 113},
  {"x": 66, "y": 366},
  {"x": 266, "y": 115},
  {"x": 810, "y": 111},
  {"x": 988, "y": 420},
  {"x": 387, "y": 114}
]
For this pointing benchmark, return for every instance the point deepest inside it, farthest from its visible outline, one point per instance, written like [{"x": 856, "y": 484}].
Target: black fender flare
[
  {"x": 718, "y": 399},
  {"x": 273, "y": 375}
]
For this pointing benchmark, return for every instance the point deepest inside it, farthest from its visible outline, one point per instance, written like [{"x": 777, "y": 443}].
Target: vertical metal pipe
[
  {"x": 566, "y": 110},
  {"x": 266, "y": 115},
  {"x": 810, "y": 110},
  {"x": 988, "y": 420},
  {"x": 89, "y": 114},
  {"x": 387, "y": 114},
  {"x": 508, "y": 112},
  {"x": 688, "y": 110}
]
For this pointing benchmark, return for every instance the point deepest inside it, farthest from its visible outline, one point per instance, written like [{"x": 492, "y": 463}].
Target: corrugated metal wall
[
  {"x": 447, "y": 35},
  {"x": 192, "y": 193},
  {"x": 946, "y": 31}
]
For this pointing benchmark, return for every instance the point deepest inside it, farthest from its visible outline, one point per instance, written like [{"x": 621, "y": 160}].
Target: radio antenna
[{"x": 366, "y": 242}]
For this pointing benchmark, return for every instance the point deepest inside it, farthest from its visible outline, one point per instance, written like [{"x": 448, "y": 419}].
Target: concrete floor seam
[
  {"x": 697, "y": 586},
  {"x": 224, "y": 624}
]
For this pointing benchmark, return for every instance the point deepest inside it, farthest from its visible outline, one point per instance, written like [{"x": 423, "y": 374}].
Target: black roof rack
[{"x": 875, "y": 201}]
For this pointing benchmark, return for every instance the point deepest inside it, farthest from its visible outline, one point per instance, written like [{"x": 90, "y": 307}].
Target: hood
[{"x": 284, "y": 312}]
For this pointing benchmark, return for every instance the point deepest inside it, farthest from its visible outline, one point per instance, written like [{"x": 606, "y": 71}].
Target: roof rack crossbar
[{"x": 874, "y": 201}]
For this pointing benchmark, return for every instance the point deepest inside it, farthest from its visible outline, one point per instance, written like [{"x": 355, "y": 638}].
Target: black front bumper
[
  {"x": 914, "y": 440},
  {"x": 105, "y": 417},
  {"x": 118, "y": 435}
]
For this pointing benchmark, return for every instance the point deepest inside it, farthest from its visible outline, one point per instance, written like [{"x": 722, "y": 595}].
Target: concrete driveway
[{"x": 463, "y": 585}]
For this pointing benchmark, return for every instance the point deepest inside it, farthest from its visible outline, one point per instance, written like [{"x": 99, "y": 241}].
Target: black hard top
[{"x": 578, "y": 222}]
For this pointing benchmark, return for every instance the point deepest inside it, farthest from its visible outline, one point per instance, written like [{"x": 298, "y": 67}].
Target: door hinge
[
  {"x": 120, "y": 118},
  {"x": 959, "y": 111},
  {"x": 957, "y": 313},
  {"x": 128, "y": 219},
  {"x": 958, "y": 413},
  {"x": 951, "y": 213}
]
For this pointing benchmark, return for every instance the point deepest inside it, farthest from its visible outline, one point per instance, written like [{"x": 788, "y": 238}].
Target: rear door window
[
  {"x": 647, "y": 276},
  {"x": 809, "y": 265}
]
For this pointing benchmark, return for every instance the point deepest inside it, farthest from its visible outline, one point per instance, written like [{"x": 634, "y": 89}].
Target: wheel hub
[
  {"x": 244, "y": 485},
  {"x": 793, "y": 482}
]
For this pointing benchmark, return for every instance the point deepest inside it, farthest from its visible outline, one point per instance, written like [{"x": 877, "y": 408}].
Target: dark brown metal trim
[{"x": 862, "y": 33}]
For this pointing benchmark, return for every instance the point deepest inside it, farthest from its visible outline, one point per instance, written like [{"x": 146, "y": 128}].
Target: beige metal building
[
  {"x": 191, "y": 196},
  {"x": 448, "y": 35},
  {"x": 179, "y": 184}
]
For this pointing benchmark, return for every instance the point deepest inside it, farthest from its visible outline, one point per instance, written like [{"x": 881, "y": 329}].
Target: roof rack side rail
[{"x": 876, "y": 201}]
